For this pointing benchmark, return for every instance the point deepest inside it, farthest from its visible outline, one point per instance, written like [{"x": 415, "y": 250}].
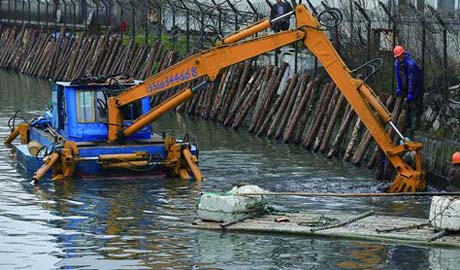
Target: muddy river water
[{"x": 143, "y": 223}]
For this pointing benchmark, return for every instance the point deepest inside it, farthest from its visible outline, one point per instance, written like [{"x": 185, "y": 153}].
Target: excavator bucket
[
  {"x": 414, "y": 183},
  {"x": 408, "y": 179}
]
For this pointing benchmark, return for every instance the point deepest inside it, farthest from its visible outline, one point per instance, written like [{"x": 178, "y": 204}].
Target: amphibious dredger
[
  {"x": 71, "y": 137},
  {"x": 120, "y": 143}
]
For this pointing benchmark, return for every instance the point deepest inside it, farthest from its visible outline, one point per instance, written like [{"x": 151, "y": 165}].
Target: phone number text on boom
[{"x": 184, "y": 75}]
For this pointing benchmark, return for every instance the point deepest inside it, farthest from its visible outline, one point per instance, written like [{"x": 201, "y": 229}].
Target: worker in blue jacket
[
  {"x": 412, "y": 85},
  {"x": 413, "y": 77}
]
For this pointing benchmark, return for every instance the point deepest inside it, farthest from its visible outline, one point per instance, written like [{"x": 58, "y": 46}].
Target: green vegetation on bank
[{"x": 167, "y": 40}]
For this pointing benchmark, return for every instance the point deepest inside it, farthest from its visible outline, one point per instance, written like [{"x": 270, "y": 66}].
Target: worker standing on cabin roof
[
  {"x": 412, "y": 85},
  {"x": 454, "y": 171},
  {"x": 279, "y": 9}
]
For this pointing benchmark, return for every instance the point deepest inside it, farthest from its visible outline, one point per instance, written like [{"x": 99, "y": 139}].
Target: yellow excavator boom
[{"x": 232, "y": 50}]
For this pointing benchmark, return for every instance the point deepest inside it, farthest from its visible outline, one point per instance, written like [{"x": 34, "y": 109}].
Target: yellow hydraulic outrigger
[{"x": 231, "y": 50}]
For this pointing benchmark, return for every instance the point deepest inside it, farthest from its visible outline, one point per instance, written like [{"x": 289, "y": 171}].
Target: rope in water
[{"x": 307, "y": 194}]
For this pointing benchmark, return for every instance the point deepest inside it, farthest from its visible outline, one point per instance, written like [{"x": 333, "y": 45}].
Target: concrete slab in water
[{"x": 364, "y": 228}]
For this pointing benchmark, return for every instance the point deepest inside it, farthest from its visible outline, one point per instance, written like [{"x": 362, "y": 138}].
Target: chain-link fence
[
  {"x": 196, "y": 24},
  {"x": 371, "y": 29},
  {"x": 76, "y": 15}
]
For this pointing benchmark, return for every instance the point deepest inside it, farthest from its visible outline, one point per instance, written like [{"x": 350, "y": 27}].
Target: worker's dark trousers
[{"x": 411, "y": 117}]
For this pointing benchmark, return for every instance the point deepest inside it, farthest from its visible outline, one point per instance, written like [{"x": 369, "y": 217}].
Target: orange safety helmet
[
  {"x": 456, "y": 158},
  {"x": 398, "y": 51}
]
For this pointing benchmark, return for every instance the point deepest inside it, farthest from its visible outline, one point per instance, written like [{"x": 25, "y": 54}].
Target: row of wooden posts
[
  {"x": 303, "y": 110},
  {"x": 307, "y": 111},
  {"x": 62, "y": 57}
]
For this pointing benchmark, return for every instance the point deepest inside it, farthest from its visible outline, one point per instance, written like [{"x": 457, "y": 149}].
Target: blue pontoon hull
[{"x": 89, "y": 166}]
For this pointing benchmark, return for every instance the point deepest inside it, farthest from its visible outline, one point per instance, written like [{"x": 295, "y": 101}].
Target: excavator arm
[
  {"x": 207, "y": 63},
  {"x": 232, "y": 50}
]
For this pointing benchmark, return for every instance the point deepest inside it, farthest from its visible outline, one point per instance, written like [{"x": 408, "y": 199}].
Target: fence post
[
  {"x": 446, "y": 66},
  {"x": 85, "y": 8},
  {"x": 147, "y": 11},
  {"x": 391, "y": 21},
  {"x": 232, "y": 7},
  {"x": 351, "y": 19},
  {"x": 22, "y": 12},
  {"x": 160, "y": 19},
  {"x": 9, "y": 10},
  {"x": 55, "y": 16},
  {"x": 201, "y": 23},
  {"x": 65, "y": 14},
  {"x": 15, "y": 13},
  {"x": 156, "y": 6},
  {"x": 423, "y": 50},
  {"x": 420, "y": 97},
  {"x": 47, "y": 12},
  {"x": 312, "y": 8},
  {"x": 97, "y": 14},
  {"x": 336, "y": 29},
  {"x": 256, "y": 20},
  {"x": 28, "y": 11},
  {"x": 173, "y": 27},
  {"x": 121, "y": 18},
  {"x": 38, "y": 12},
  {"x": 219, "y": 10},
  {"x": 74, "y": 17},
  {"x": 368, "y": 29},
  {"x": 187, "y": 26},
  {"x": 443, "y": 24},
  {"x": 133, "y": 8},
  {"x": 106, "y": 14}
]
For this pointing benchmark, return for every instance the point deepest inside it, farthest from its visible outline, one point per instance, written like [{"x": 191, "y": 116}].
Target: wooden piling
[
  {"x": 246, "y": 106},
  {"x": 240, "y": 94},
  {"x": 232, "y": 88},
  {"x": 367, "y": 139},
  {"x": 304, "y": 117},
  {"x": 394, "y": 117},
  {"x": 282, "y": 107},
  {"x": 267, "y": 99},
  {"x": 353, "y": 139},
  {"x": 299, "y": 107},
  {"x": 332, "y": 123},
  {"x": 74, "y": 58},
  {"x": 319, "y": 114},
  {"x": 347, "y": 118},
  {"x": 288, "y": 109},
  {"x": 273, "y": 109},
  {"x": 116, "y": 43},
  {"x": 215, "y": 109},
  {"x": 325, "y": 121}
]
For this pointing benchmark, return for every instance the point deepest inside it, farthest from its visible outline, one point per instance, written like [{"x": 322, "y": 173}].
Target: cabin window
[
  {"x": 92, "y": 106},
  {"x": 86, "y": 108},
  {"x": 131, "y": 111}
]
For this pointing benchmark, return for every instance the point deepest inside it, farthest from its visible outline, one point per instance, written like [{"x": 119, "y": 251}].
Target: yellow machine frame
[{"x": 232, "y": 50}]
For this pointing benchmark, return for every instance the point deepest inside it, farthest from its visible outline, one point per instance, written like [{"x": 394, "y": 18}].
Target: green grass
[
  {"x": 442, "y": 132},
  {"x": 166, "y": 40}
]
